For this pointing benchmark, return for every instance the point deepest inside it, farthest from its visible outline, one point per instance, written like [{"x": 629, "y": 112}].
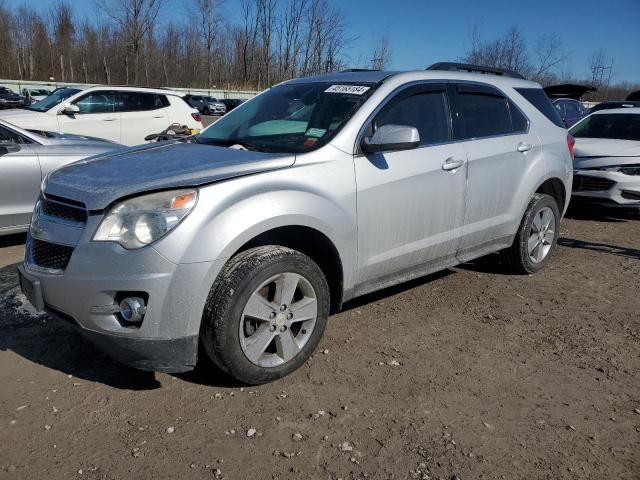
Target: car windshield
[
  {"x": 210, "y": 99},
  {"x": 620, "y": 126},
  {"x": 53, "y": 100},
  {"x": 5, "y": 91},
  {"x": 291, "y": 118}
]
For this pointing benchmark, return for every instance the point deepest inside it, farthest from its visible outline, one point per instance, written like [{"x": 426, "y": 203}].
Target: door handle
[
  {"x": 109, "y": 120},
  {"x": 451, "y": 164},
  {"x": 524, "y": 147},
  {"x": 158, "y": 116}
]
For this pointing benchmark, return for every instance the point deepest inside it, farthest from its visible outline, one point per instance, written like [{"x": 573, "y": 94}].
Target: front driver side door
[
  {"x": 98, "y": 116},
  {"x": 410, "y": 203}
]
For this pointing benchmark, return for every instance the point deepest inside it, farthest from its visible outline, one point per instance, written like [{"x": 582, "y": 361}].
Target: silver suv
[{"x": 243, "y": 239}]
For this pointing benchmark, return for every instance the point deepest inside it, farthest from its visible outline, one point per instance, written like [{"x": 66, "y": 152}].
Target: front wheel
[
  {"x": 537, "y": 236},
  {"x": 265, "y": 314}
]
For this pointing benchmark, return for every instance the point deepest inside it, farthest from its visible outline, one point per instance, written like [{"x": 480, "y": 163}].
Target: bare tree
[
  {"x": 206, "y": 11},
  {"x": 549, "y": 54},
  {"x": 134, "y": 18},
  {"x": 381, "y": 53}
]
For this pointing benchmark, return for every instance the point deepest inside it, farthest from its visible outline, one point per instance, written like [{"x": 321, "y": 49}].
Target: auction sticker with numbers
[{"x": 352, "y": 89}]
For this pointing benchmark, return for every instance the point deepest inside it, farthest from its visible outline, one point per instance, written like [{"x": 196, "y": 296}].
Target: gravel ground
[{"x": 470, "y": 372}]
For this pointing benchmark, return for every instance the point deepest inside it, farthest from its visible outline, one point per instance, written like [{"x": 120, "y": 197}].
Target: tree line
[
  {"x": 195, "y": 44},
  {"x": 543, "y": 61},
  {"x": 133, "y": 42}
]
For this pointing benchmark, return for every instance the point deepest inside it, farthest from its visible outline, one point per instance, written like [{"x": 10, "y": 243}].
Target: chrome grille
[{"x": 50, "y": 255}]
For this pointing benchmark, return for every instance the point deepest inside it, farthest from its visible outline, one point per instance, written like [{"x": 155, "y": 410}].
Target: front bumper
[
  {"x": 98, "y": 273},
  {"x": 611, "y": 188}
]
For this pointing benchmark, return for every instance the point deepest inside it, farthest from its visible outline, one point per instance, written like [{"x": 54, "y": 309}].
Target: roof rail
[
  {"x": 348, "y": 70},
  {"x": 467, "y": 67}
]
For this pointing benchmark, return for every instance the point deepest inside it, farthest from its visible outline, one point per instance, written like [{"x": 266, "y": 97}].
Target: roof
[
  {"x": 377, "y": 76},
  {"x": 634, "y": 110},
  {"x": 126, "y": 88}
]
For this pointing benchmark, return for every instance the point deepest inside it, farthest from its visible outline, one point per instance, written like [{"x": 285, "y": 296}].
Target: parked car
[
  {"x": 206, "y": 105},
  {"x": 26, "y": 158},
  {"x": 9, "y": 99},
  {"x": 245, "y": 238},
  {"x": 607, "y": 158},
  {"x": 611, "y": 105},
  {"x": 35, "y": 94},
  {"x": 121, "y": 114},
  {"x": 231, "y": 103},
  {"x": 571, "y": 111}
]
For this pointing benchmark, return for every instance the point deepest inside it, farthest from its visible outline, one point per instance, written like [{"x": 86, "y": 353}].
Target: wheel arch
[
  {"x": 313, "y": 243},
  {"x": 555, "y": 188}
]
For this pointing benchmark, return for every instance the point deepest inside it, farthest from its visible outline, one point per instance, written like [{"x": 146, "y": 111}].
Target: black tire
[
  {"x": 517, "y": 256},
  {"x": 206, "y": 111},
  {"x": 241, "y": 276}
]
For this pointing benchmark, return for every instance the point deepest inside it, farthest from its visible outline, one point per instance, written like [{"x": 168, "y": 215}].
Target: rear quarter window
[{"x": 539, "y": 99}]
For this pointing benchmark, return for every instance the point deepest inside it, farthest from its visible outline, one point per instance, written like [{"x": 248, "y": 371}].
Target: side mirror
[
  {"x": 6, "y": 148},
  {"x": 391, "y": 138},
  {"x": 69, "y": 109}
]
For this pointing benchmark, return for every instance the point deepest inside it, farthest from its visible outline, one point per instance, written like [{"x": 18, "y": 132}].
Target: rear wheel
[
  {"x": 265, "y": 314},
  {"x": 537, "y": 236}
]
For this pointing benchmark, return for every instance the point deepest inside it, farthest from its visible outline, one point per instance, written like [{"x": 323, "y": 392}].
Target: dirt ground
[{"x": 470, "y": 372}]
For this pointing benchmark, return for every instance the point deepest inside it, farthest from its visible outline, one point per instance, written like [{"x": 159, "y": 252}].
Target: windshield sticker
[
  {"x": 310, "y": 142},
  {"x": 352, "y": 89},
  {"x": 316, "y": 132}
]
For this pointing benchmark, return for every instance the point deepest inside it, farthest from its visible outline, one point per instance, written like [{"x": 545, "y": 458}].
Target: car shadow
[
  {"x": 592, "y": 211},
  {"x": 600, "y": 247},
  {"x": 13, "y": 239},
  {"x": 55, "y": 344}
]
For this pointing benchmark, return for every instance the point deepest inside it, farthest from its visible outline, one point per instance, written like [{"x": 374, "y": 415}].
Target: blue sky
[{"x": 425, "y": 31}]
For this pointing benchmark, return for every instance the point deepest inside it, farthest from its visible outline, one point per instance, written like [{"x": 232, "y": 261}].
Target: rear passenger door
[
  {"x": 495, "y": 135},
  {"x": 410, "y": 202},
  {"x": 141, "y": 114}
]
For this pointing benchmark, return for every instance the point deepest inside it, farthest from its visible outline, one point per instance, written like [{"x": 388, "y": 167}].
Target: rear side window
[
  {"x": 428, "y": 112},
  {"x": 483, "y": 112},
  {"x": 141, "y": 101},
  {"x": 539, "y": 99}
]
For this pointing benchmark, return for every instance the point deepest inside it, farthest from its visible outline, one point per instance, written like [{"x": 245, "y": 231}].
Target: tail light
[
  {"x": 571, "y": 142},
  {"x": 196, "y": 116}
]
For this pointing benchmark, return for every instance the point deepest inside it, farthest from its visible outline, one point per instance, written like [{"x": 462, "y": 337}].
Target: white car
[
  {"x": 36, "y": 94},
  {"x": 607, "y": 157},
  {"x": 124, "y": 115}
]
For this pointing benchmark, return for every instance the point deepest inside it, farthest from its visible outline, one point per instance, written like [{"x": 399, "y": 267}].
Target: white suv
[{"x": 121, "y": 114}]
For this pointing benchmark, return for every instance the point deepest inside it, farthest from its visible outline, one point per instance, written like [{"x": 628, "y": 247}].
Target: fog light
[{"x": 132, "y": 309}]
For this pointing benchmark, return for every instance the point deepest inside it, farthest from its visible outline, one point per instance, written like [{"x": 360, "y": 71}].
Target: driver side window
[
  {"x": 426, "y": 111},
  {"x": 9, "y": 137},
  {"x": 97, "y": 102}
]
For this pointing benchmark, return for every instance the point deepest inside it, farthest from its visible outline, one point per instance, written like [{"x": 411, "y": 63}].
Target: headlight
[{"x": 140, "y": 221}]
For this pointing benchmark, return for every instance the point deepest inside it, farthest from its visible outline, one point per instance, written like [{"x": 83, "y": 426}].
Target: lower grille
[
  {"x": 583, "y": 183},
  {"x": 630, "y": 195},
  {"x": 50, "y": 255},
  {"x": 62, "y": 210}
]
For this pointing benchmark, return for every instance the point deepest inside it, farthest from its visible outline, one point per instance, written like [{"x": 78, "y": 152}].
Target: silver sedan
[{"x": 26, "y": 157}]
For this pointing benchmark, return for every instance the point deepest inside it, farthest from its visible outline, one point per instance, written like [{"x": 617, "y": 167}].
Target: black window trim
[
  {"x": 420, "y": 86},
  {"x": 119, "y": 103},
  {"x": 458, "y": 134}
]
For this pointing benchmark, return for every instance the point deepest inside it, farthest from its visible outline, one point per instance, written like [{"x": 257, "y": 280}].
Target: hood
[
  {"x": 606, "y": 147},
  {"x": 13, "y": 97},
  {"x": 57, "y": 138},
  {"x": 20, "y": 116},
  {"x": 101, "y": 180}
]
